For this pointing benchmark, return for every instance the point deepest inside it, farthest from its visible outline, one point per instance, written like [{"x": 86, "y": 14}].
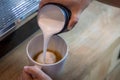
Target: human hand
[
  {"x": 75, "y": 6},
  {"x": 34, "y": 73}
]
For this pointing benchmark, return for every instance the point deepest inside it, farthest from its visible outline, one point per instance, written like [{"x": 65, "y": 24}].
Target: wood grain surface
[{"x": 91, "y": 47}]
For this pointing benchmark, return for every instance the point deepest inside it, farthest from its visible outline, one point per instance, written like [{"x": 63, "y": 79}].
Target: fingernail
[
  {"x": 25, "y": 68},
  {"x": 37, "y": 67}
]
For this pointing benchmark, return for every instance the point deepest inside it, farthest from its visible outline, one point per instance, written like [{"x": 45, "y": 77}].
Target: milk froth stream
[{"x": 51, "y": 20}]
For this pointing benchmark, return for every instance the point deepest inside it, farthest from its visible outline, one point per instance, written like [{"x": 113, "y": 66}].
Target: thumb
[
  {"x": 73, "y": 21},
  {"x": 36, "y": 72}
]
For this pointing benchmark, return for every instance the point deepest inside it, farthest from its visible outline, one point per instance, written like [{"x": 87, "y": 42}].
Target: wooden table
[{"x": 92, "y": 45}]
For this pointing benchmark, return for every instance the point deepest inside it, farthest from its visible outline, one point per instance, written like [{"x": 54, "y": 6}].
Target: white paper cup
[{"x": 56, "y": 43}]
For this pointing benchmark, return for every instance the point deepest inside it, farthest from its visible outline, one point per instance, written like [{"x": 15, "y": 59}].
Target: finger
[
  {"x": 43, "y": 2},
  {"x": 36, "y": 72},
  {"x": 73, "y": 21},
  {"x": 32, "y": 70}
]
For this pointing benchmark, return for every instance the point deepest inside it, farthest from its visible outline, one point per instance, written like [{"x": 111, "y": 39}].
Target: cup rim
[
  {"x": 60, "y": 9},
  {"x": 46, "y": 64}
]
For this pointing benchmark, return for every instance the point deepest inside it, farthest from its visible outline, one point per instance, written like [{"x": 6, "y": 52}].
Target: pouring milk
[{"x": 51, "y": 20}]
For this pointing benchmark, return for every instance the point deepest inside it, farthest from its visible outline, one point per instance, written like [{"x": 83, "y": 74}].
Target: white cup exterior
[{"x": 56, "y": 43}]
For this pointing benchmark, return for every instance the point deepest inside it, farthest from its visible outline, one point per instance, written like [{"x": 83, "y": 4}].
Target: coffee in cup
[{"x": 50, "y": 58}]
